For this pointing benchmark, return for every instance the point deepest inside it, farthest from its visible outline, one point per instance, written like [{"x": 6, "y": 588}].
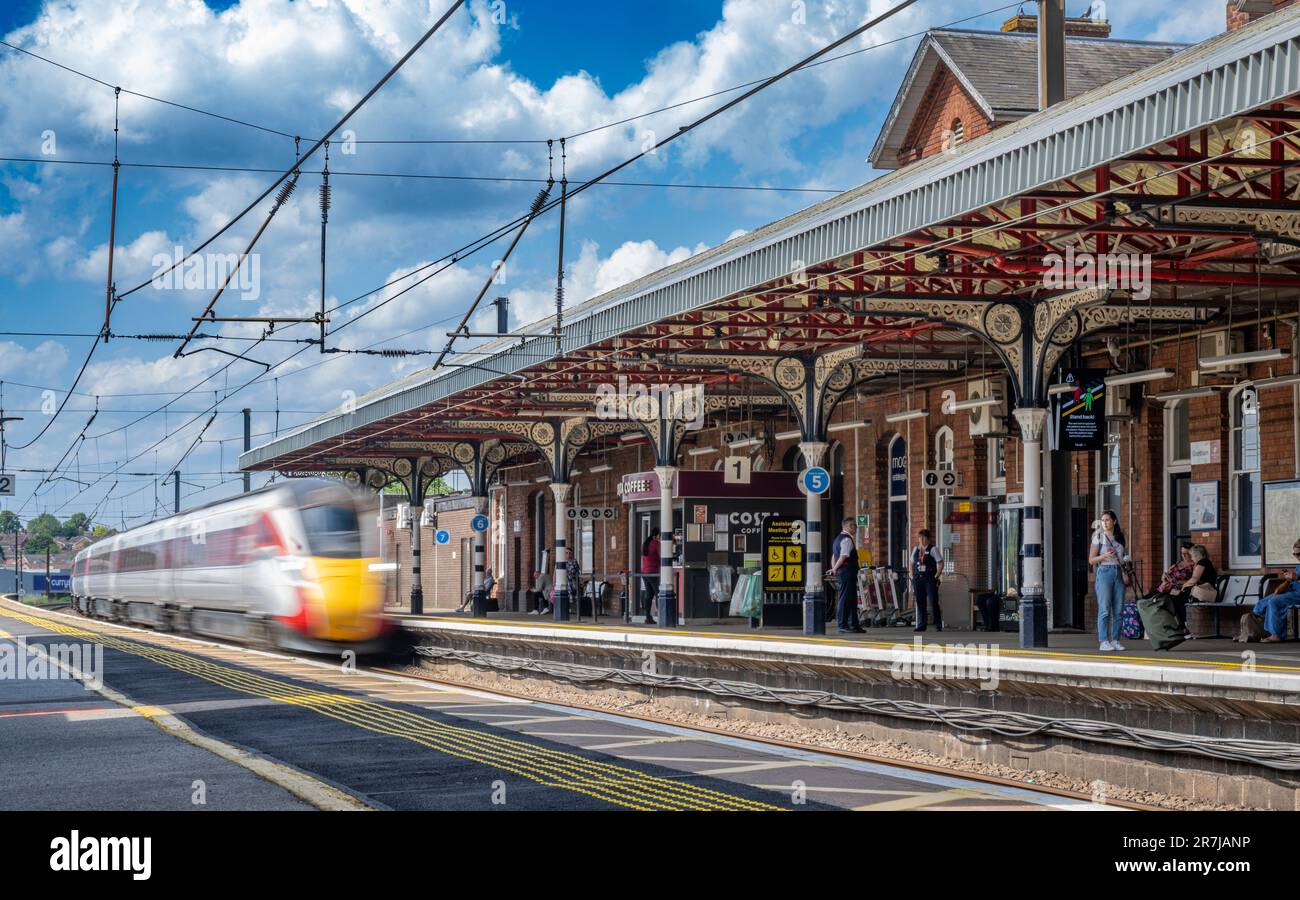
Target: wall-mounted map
[{"x": 1281, "y": 522}]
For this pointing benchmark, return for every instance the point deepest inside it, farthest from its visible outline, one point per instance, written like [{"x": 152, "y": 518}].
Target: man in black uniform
[
  {"x": 926, "y": 564},
  {"x": 844, "y": 566}
]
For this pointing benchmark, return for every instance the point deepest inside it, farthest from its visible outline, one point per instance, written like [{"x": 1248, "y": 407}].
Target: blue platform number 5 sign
[{"x": 817, "y": 480}]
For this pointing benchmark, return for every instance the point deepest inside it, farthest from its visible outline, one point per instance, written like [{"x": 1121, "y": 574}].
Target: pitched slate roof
[{"x": 1000, "y": 72}]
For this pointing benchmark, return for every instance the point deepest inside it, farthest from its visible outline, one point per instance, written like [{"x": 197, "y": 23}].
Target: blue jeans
[
  {"x": 1110, "y": 602},
  {"x": 1275, "y": 608}
]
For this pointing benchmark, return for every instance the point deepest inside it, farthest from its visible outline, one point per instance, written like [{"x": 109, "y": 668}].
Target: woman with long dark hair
[
  {"x": 650, "y": 573},
  {"x": 1108, "y": 553}
]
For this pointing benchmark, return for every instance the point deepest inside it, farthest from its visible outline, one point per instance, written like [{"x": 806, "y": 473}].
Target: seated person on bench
[
  {"x": 1177, "y": 575},
  {"x": 1275, "y": 607},
  {"x": 1199, "y": 588}
]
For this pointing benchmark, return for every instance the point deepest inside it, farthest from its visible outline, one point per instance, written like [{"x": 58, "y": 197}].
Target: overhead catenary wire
[
  {"x": 504, "y": 141},
  {"x": 427, "y": 176},
  {"x": 456, "y": 4},
  {"x": 659, "y": 145}
]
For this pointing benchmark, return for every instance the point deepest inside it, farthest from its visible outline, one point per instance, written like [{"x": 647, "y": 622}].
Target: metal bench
[{"x": 1232, "y": 592}]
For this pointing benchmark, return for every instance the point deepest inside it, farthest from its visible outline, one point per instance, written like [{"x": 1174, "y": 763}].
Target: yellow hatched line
[{"x": 552, "y": 768}]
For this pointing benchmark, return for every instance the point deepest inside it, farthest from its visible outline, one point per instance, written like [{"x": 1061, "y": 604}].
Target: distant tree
[
  {"x": 99, "y": 532},
  {"x": 44, "y": 524},
  {"x": 39, "y": 543},
  {"x": 10, "y": 523},
  {"x": 75, "y": 526}
]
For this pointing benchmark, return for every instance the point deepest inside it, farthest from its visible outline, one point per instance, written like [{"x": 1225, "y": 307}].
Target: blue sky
[{"x": 534, "y": 70}]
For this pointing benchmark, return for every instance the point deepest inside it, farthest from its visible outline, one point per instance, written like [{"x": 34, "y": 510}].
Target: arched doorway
[{"x": 898, "y": 517}]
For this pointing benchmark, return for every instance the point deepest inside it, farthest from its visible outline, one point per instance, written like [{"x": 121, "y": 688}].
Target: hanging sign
[{"x": 1081, "y": 413}]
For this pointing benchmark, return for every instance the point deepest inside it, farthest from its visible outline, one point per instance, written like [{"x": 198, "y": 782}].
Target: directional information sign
[
  {"x": 591, "y": 513},
  {"x": 934, "y": 480}
]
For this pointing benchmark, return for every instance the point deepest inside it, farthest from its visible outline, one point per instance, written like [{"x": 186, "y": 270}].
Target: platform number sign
[
  {"x": 816, "y": 480},
  {"x": 480, "y": 524},
  {"x": 443, "y": 537},
  {"x": 7, "y": 485},
  {"x": 738, "y": 470}
]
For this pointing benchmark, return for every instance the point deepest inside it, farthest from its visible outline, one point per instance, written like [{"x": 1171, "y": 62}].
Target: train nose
[{"x": 350, "y": 600}]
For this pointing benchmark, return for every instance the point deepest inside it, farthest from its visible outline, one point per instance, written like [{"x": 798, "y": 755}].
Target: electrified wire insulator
[
  {"x": 285, "y": 191},
  {"x": 540, "y": 201},
  {"x": 324, "y": 200}
]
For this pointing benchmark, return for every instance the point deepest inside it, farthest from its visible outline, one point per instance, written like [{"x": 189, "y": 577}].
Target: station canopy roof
[{"x": 1192, "y": 164}]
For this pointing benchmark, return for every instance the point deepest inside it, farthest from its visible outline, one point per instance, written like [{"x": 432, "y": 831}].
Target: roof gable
[{"x": 999, "y": 73}]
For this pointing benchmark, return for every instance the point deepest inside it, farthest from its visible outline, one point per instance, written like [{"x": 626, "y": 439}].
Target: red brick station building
[{"x": 1076, "y": 290}]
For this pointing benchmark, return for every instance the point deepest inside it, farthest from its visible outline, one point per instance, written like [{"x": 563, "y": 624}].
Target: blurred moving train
[{"x": 287, "y": 566}]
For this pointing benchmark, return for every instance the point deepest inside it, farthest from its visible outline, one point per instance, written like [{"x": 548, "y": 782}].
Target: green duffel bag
[{"x": 1161, "y": 622}]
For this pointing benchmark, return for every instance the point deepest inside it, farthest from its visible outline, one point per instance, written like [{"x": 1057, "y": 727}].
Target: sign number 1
[{"x": 739, "y": 470}]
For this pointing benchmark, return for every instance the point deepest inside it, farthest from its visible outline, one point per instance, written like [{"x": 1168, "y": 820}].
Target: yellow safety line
[
  {"x": 839, "y": 642},
  {"x": 551, "y": 768}
]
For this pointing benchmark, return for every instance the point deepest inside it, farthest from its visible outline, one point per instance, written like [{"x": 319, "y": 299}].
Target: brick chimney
[
  {"x": 1077, "y": 26},
  {"x": 1242, "y": 12}
]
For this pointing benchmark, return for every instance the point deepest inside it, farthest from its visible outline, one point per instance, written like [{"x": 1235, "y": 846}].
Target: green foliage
[
  {"x": 9, "y": 522},
  {"x": 76, "y": 525}
]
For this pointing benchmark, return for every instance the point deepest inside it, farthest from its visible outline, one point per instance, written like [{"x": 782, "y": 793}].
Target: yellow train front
[{"x": 289, "y": 566}]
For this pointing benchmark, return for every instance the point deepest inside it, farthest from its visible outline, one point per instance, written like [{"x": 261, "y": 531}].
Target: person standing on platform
[
  {"x": 927, "y": 562},
  {"x": 650, "y": 573},
  {"x": 844, "y": 566},
  {"x": 1108, "y": 556}
]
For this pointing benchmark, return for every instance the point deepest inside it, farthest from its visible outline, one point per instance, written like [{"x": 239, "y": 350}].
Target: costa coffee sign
[{"x": 637, "y": 487}]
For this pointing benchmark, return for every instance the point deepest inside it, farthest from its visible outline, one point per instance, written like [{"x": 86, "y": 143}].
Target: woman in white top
[{"x": 1108, "y": 556}]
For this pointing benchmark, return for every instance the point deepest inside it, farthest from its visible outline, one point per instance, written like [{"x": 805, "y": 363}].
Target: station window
[
  {"x": 1178, "y": 434},
  {"x": 997, "y": 466},
  {"x": 1247, "y": 485},
  {"x": 944, "y": 461},
  {"x": 1108, "y": 476}
]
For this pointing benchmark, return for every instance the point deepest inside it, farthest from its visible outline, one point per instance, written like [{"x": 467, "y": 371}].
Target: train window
[{"x": 332, "y": 530}]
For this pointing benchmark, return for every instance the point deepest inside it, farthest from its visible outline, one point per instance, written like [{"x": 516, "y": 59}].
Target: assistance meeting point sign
[{"x": 783, "y": 554}]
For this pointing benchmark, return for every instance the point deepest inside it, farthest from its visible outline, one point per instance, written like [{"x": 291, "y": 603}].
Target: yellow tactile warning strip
[
  {"x": 886, "y": 645},
  {"x": 614, "y": 784}
]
